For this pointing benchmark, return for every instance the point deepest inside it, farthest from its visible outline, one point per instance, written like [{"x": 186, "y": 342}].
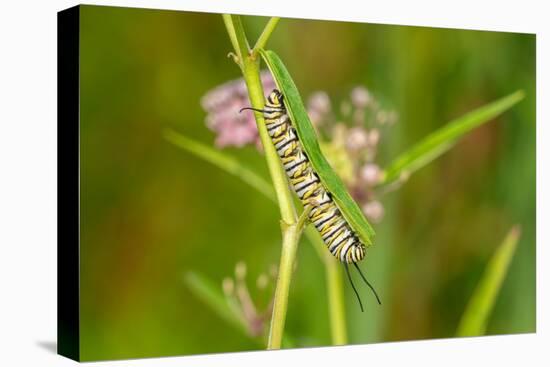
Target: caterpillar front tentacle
[
  {"x": 323, "y": 213},
  {"x": 319, "y": 207}
]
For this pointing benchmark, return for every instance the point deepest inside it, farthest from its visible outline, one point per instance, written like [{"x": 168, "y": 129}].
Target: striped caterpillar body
[
  {"x": 340, "y": 239},
  {"x": 335, "y": 231}
]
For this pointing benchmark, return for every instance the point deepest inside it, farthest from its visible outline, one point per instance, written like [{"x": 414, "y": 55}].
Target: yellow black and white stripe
[{"x": 337, "y": 234}]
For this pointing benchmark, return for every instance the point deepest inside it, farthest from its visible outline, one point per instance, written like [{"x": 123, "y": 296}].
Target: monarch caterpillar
[{"x": 324, "y": 214}]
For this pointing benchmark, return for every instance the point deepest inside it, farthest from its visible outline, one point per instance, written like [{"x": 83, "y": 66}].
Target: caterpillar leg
[{"x": 304, "y": 217}]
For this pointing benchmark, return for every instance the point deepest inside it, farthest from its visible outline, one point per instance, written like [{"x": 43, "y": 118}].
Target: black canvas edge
[{"x": 68, "y": 183}]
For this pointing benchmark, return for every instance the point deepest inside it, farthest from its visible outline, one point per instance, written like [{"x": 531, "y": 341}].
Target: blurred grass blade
[
  {"x": 479, "y": 308},
  {"x": 444, "y": 138},
  {"x": 221, "y": 160},
  {"x": 228, "y": 164},
  {"x": 211, "y": 295}
]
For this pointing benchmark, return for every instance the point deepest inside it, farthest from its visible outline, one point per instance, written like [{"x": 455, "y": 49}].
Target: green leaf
[
  {"x": 441, "y": 140},
  {"x": 479, "y": 308},
  {"x": 308, "y": 139},
  {"x": 221, "y": 160}
]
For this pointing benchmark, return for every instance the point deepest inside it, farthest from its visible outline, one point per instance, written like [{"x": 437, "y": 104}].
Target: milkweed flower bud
[
  {"x": 360, "y": 97},
  {"x": 373, "y": 137},
  {"x": 240, "y": 270},
  {"x": 357, "y": 139},
  {"x": 318, "y": 107},
  {"x": 374, "y": 211},
  {"x": 262, "y": 281},
  {"x": 370, "y": 174},
  {"x": 320, "y": 102},
  {"x": 228, "y": 286}
]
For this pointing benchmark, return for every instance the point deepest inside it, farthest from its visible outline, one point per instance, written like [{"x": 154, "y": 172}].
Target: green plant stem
[
  {"x": 250, "y": 67},
  {"x": 266, "y": 33},
  {"x": 333, "y": 272},
  {"x": 291, "y": 236},
  {"x": 335, "y": 289},
  {"x": 236, "y": 36},
  {"x": 232, "y": 35},
  {"x": 251, "y": 70}
]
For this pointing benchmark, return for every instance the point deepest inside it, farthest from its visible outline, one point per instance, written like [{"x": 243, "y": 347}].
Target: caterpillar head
[
  {"x": 275, "y": 97},
  {"x": 356, "y": 253}
]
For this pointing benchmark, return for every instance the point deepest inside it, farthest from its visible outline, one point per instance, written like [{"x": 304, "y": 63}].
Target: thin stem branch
[
  {"x": 251, "y": 72},
  {"x": 256, "y": 94},
  {"x": 242, "y": 42},
  {"x": 232, "y": 36},
  {"x": 280, "y": 302},
  {"x": 266, "y": 33},
  {"x": 250, "y": 67}
]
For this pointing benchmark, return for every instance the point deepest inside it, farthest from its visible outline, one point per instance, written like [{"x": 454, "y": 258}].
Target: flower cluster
[
  {"x": 223, "y": 104},
  {"x": 238, "y": 298},
  {"x": 351, "y": 143},
  {"x": 349, "y": 137}
]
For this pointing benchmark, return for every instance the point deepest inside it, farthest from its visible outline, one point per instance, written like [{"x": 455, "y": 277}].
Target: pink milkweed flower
[
  {"x": 370, "y": 174},
  {"x": 318, "y": 107},
  {"x": 350, "y": 143},
  {"x": 360, "y": 97},
  {"x": 357, "y": 139},
  {"x": 222, "y": 105},
  {"x": 373, "y": 210},
  {"x": 360, "y": 136}
]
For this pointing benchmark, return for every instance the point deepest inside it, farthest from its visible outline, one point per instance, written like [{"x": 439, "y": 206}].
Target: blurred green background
[{"x": 151, "y": 212}]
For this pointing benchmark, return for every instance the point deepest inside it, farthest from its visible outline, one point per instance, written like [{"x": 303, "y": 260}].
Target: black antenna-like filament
[
  {"x": 251, "y": 108},
  {"x": 367, "y": 282},
  {"x": 353, "y": 286}
]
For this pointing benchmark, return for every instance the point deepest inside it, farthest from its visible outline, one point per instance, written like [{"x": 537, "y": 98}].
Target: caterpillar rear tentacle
[{"x": 323, "y": 213}]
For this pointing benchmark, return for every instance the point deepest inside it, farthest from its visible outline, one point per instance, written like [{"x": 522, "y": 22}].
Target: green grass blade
[
  {"x": 221, "y": 160},
  {"x": 476, "y": 316},
  {"x": 441, "y": 140},
  {"x": 227, "y": 163},
  {"x": 308, "y": 139}
]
